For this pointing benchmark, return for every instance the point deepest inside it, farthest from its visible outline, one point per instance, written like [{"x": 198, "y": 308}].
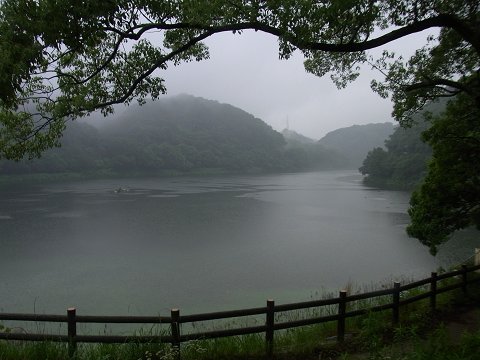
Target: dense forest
[
  {"x": 178, "y": 135},
  {"x": 404, "y": 163},
  {"x": 187, "y": 134}
]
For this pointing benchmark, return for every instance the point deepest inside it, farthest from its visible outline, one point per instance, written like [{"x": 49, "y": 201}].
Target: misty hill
[
  {"x": 303, "y": 153},
  {"x": 186, "y": 132},
  {"x": 294, "y": 138},
  {"x": 181, "y": 134},
  {"x": 356, "y": 141}
]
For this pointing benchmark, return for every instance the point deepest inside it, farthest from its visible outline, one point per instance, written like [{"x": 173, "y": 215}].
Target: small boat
[{"x": 120, "y": 190}]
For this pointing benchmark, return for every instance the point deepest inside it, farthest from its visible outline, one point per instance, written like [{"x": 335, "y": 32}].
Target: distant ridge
[
  {"x": 176, "y": 135},
  {"x": 188, "y": 134},
  {"x": 356, "y": 141}
]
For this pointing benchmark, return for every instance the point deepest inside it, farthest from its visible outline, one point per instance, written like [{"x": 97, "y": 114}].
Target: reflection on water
[{"x": 201, "y": 244}]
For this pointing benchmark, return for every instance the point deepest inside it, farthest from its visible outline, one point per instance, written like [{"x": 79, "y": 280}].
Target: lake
[{"x": 203, "y": 243}]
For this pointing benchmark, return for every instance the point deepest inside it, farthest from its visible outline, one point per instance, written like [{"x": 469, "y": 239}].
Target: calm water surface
[{"x": 201, "y": 244}]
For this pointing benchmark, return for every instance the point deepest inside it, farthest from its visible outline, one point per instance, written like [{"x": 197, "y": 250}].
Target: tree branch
[
  {"x": 439, "y": 82},
  {"x": 441, "y": 20}
]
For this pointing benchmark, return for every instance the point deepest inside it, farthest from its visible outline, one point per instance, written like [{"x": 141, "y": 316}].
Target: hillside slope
[
  {"x": 186, "y": 132},
  {"x": 178, "y": 134},
  {"x": 356, "y": 141}
]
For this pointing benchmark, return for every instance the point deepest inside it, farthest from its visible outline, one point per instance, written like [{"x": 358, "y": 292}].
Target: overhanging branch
[
  {"x": 454, "y": 85},
  {"x": 441, "y": 20},
  {"x": 134, "y": 33}
]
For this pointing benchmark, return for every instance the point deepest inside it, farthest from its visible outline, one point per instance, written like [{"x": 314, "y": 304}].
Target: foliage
[
  {"x": 449, "y": 197},
  {"x": 404, "y": 162},
  {"x": 63, "y": 59}
]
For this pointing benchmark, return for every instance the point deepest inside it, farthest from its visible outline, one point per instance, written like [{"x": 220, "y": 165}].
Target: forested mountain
[
  {"x": 356, "y": 141},
  {"x": 181, "y": 134},
  {"x": 83, "y": 149},
  {"x": 303, "y": 152},
  {"x": 186, "y": 132},
  {"x": 403, "y": 164}
]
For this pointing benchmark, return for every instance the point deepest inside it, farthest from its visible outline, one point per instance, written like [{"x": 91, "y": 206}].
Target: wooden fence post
[
  {"x": 175, "y": 314},
  {"x": 270, "y": 323},
  {"x": 464, "y": 278},
  {"x": 396, "y": 303},
  {"x": 433, "y": 291},
  {"x": 72, "y": 331},
  {"x": 341, "y": 316}
]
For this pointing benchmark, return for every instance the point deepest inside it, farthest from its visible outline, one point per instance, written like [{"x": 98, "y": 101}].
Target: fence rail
[{"x": 398, "y": 293}]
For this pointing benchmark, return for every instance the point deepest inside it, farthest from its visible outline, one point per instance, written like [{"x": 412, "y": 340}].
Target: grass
[
  {"x": 368, "y": 337},
  {"x": 411, "y": 344}
]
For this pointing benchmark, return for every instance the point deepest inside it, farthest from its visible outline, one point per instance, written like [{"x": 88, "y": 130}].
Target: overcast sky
[{"x": 244, "y": 70}]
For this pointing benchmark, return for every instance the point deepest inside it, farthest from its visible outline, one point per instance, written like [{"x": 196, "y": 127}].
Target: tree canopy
[
  {"x": 402, "y": 165},
  {"x": 62, "y": 59},
  {"x": 449, "y": 197}
]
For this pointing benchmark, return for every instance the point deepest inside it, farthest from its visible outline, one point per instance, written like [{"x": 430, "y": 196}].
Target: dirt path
[
  {"x": 457, "y": 321},
  {"x": 465, "y": 319}
]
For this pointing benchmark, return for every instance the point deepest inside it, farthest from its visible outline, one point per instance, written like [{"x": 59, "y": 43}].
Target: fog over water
[{"x": 203, "y": 243}]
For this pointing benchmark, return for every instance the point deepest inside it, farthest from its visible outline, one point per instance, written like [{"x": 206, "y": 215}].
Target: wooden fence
[{"x": 399, "y": 295}]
